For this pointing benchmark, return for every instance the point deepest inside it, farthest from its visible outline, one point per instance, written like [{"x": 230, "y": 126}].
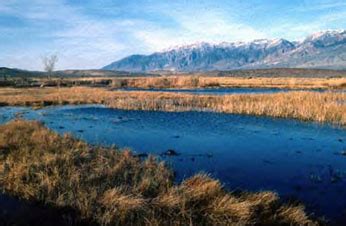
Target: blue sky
[{"x": 92, "y": 33}]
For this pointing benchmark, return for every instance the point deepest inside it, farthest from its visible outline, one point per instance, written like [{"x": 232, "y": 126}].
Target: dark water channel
[{"x": 299, "y": 160}]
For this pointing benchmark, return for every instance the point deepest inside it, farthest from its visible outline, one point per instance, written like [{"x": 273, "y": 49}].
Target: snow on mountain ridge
[
  {"x": 320, "y": 34},
  {"x": 197, "y": 45},
  {"x": 320, "y": 49}
]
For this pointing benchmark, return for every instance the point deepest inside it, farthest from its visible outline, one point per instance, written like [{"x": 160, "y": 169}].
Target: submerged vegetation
[
  {"x": 104, "y": 186},
  {"x": 314, "y": 106}
]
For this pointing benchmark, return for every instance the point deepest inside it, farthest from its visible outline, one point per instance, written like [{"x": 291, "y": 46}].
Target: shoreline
[
  {"x": 326, "y": 107},
  {"x": 106, "y": 186}
]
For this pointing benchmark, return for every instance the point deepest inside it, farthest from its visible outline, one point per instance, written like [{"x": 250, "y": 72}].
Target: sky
[{"x": 89, "y": 34}]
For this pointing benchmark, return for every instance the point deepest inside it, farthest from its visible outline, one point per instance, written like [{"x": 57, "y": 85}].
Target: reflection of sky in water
[{"x": 295, "y": 159}]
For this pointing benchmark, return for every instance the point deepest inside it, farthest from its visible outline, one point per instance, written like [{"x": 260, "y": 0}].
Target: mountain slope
[
  {"x": 320, "y": 50},
  {"x": 16, "y": 73}
]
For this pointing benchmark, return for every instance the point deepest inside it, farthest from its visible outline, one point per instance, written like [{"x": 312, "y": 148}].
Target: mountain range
[{"x": 324, "y": 50}]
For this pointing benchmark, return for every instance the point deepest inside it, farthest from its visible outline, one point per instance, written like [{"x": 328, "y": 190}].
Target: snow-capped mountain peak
[
  {"x": 327, "y": 33},
  {"x": 196, "y": 45},
  {"x": 326, "y": 49},
  {"x": 327, "y": 36}
]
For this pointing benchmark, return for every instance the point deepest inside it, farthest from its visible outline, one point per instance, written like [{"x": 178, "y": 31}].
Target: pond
[
  {"x": 299, "y": 160},
  {"x": 221, "y": 91}
]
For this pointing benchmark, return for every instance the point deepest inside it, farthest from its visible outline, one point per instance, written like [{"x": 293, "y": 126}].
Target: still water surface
[
  {"x": 221, "y": 91},
  {"x": 298, "y": 160}
]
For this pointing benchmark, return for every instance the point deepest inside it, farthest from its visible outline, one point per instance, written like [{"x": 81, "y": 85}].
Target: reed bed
[
  {"x": 197, "y": 81},
  {"x": 329, "y": 107},
  {"x": 104, "y": 186},
  {"x": 194, "y": 81}
]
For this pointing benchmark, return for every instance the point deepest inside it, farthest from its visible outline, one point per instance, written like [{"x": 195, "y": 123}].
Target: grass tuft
[
  {"x": 327, "y": 107},
  {"x": 103, "y": 186}
]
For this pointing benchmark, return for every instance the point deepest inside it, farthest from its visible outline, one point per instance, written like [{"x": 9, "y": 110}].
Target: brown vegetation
[
  {"x": 183, "y": 81},
  {"x": 321, "y": 107},
  {"x": 195, "y": 81},
  {"x": 110, "y": 187},
  {"x": 281, "y": 72}
]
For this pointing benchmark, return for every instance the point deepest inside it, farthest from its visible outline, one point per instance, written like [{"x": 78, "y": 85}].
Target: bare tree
[{"x": 49, "y": 64}]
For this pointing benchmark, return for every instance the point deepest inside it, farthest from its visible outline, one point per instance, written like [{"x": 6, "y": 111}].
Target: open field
[
  {"x": 264, "y": 78},
  {"x": 113, "y": 187},
  {"x": 321, "y": 107}
]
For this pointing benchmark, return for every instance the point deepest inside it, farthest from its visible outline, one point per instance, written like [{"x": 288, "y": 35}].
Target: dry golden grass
[
  {"x": 205, "y": 81},
  {"x": 200, "y": 81},
  {"x": 110, "y": 187},
  {"x": 321, "y": 107}
]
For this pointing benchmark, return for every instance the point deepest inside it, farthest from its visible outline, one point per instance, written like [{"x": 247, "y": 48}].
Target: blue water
[
  {"x": 220, "y": 91},
  {"x": 299, "y": 160}
]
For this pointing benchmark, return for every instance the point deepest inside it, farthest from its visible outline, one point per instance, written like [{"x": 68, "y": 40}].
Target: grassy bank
[
  {"x": 182, "y": 81},
  {"x": 103, "y": 186},
  {"x": 321, "y": 107},
  {"x": 202, "y": 81},
  {"x": 251, "y": 82}
]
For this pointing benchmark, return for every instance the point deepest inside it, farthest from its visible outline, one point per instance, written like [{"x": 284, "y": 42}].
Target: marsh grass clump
[
  {"x": 39, "y": 165},
  {"x": 322, "y": 107},
  {"x": 204, "y": 81},
  {"x": 103, "y": 186}
]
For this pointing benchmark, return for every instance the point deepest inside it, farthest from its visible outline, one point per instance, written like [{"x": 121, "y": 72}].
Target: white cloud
[
  {"x": 85, "y": 41},
  {"x": 215, "y": 28},
  {"x": 80, "y": 41},
  {"x": 299, "y": 30},
  {"x": 208, "y": 26}
]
